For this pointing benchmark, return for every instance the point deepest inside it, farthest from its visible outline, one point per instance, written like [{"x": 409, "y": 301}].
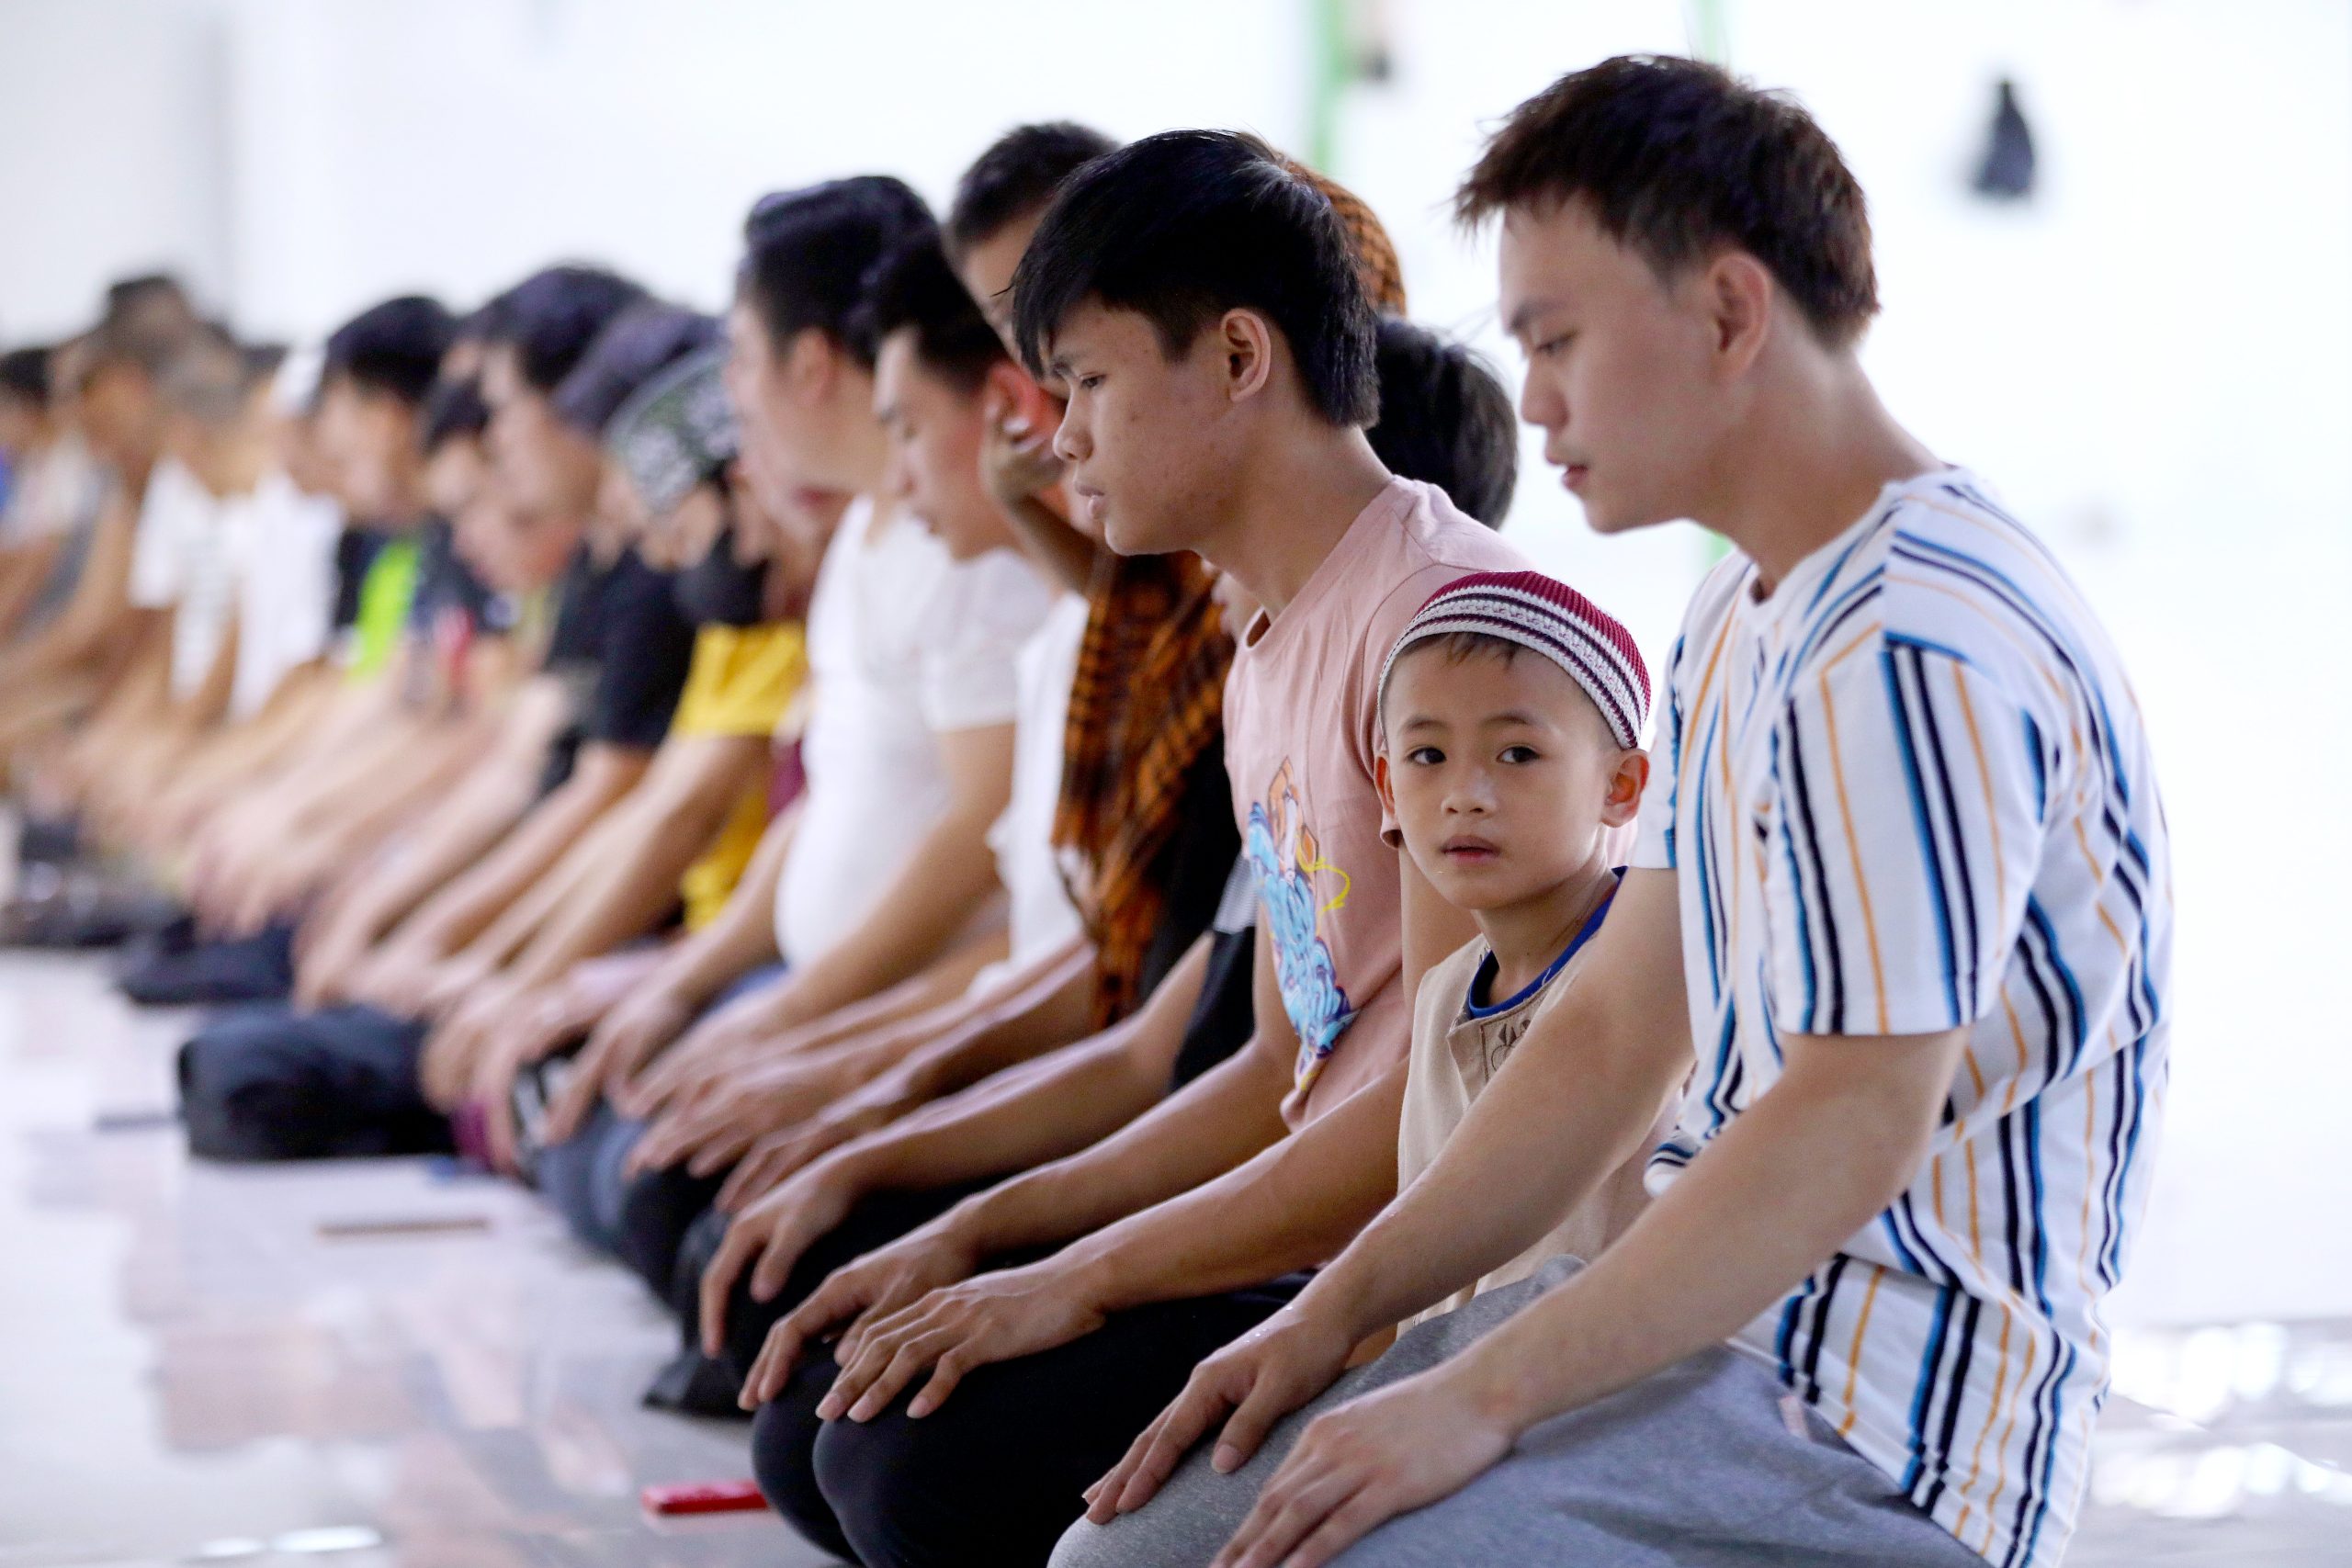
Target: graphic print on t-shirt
[{"x": 1283, "y": 853}]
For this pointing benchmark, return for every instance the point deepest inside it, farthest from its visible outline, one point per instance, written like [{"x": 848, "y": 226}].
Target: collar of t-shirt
[
  {"x": 1387, "y": 511},
  {"x": 1482, "y": 980}
]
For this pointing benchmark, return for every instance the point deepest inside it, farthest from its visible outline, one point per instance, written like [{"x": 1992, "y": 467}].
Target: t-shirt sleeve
[
  {"x": 644, "y": 647},
  {"x": 971, "y": 649},
  {"x": 1654, "y": 825},
  {"x": 156, "y": 558},
  {"x": 1899, "y": 843}
]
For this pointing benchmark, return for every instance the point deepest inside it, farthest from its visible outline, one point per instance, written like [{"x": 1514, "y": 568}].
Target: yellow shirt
[{"x": 741, "y": 681}]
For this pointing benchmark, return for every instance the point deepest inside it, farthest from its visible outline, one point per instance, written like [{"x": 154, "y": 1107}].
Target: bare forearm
[
  {"x": 1070, "y": 555},
  {"x": 1776, "y": 1193},
  {"x": 464, "y": 908},
  {"x": 1018, "y": 1120},
  {"x": 1571, "y": 1106},
  {"x": 1045, "y": 1110},
  {"x": 1291, "y": 1207},
  {"x": 1222, "y": 1119},
  {"x": 443, "y": 842},
  {"x": 1050, "y": 1005},
  {"x": 944, "y": 877}
]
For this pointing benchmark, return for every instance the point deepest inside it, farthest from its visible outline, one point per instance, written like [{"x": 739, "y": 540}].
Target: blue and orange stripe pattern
[{"x": 1905, "y": 792}]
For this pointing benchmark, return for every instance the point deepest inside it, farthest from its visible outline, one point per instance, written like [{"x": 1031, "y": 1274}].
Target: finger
[
  {"x": 777, "y": 1263},
  {"x": 913, "y": 1356},
  {"x": 779, "y": 1354},
  {"x": 1105, "y": 1500},
  {"x": 946, "y": 1373},
  {"x": 749, "y": 1177},
  {"x": 859, "y": 1372},
  {"x": 1350, "y": 1522},
  {"x": 753, "y": 1394},
  {"x": 718, "y": 1286},
  {"x": 1245, "y": 1434},
  {"x": 720, "y": 1150},
  {"x": 1172, "y": 1438},
  {"x": 1283, "y": 1523}
]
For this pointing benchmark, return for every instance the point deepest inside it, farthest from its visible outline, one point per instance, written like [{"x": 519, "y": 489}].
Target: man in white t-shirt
[
  {"x": 878, "y": 889},
  {"x": 1899, "y": 920}
]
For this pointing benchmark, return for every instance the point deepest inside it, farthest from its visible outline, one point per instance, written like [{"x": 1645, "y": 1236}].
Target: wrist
[{"x": 1495, "y": 1388}]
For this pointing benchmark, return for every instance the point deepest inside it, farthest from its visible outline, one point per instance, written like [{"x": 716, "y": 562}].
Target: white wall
[
  {"x": 111, "y": 154},
  {"x": 2153, "y": 359}
]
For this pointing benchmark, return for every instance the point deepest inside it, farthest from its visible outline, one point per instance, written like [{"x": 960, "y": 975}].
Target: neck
[
  {"x": 1292, "y": 510},
  {"x": 1527, "y": 936},
  {"x": 1812, "y": 462}
]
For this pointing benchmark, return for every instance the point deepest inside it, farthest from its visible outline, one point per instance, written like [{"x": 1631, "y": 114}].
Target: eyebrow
[
  {"x": 1528, "y": 310},
  {"x": 1510, "y": 716}
]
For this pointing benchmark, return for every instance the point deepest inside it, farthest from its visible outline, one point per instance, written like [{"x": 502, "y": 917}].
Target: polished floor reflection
[{"x": 358, "y": 1364}]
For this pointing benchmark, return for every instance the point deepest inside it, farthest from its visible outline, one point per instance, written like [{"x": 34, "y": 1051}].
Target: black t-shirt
[
  {"x": 1223, "y": 1016},
  {"x": 445, "y": 586},
  {"x": 622, "y": 646},
  {"x": 355, "y": 552}
]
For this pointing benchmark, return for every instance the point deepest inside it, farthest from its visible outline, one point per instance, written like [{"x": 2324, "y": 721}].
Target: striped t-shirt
[{"x": 1909, "y": 791}]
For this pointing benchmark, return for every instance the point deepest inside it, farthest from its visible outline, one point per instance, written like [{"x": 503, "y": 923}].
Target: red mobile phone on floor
[{"x": 704, "y": 1497}]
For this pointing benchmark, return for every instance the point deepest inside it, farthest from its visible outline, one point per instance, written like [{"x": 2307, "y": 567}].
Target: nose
[
  {"x": 1470, "y": 793},
  {"x": 1071, "y": 442},
  {"x": 1541, "y": 404}
]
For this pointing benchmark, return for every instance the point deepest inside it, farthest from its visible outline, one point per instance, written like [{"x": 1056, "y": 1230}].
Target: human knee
[
  {"x": 784, "y": 1441},
  {"x": 655, "y": 1210}
]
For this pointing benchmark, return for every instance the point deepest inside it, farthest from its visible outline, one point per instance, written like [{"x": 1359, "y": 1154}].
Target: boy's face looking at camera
[{"x": 1498, "y": 770}]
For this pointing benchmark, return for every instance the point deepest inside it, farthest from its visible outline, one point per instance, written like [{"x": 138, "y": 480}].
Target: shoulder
[
  {"x": 1961, "y": 582},
  {"x": 1446, "y": 985}
]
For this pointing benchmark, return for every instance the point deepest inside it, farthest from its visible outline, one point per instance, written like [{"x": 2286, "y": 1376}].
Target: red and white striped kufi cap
[{"x": 1555, "y": 620}]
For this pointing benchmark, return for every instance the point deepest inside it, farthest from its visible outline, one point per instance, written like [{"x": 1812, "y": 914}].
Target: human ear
[
  {"x": 1245, "y": 344},
  {"x": 1624, "y": 802},
  {"x": 1022, "y": 397},
  {"x": 1380, "y": 782},
  {"x": 809, "y": 363},
  {"x": 1739, "y": 297}
]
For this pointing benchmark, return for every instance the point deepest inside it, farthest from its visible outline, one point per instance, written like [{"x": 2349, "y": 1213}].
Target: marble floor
[{"x": 203, "y": 1365}]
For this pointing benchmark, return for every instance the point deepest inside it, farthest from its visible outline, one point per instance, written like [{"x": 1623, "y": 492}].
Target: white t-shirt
[
  {"x": 1040, "y": 916},
  {"x": 904, "y": 644},
  {"x": 1908, "y": 792},
  {"x": 55, "y": 491},
  {"x": 286, "y": 591},
  {"x": 184, "y": 559}
]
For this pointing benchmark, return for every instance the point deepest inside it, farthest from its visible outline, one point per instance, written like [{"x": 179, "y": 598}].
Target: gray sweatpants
[{"x": 1697, "y": 1466}]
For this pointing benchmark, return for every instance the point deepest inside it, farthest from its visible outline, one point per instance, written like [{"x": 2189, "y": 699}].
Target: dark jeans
[
  {"x": 270, "y": 1083},
  {"x": 642, "y": 1220},
  {"x": 257, "y": 969},
  {"x": 994, "y": 1475}
]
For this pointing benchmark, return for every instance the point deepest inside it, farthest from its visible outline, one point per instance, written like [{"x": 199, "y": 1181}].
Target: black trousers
[
  {"x": 997, "y": 1473},
  {"x": 271, "y": 1083}
]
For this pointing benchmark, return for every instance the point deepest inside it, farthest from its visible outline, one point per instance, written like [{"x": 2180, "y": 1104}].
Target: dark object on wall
[{"x": 2006, "y": 173}]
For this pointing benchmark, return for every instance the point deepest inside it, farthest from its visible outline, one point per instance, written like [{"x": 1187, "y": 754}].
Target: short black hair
[
  {"x": 23, "y": 373},
  {"x": 1186, "y": 225},
  {"x": 394, "y": 347},
  {"x": 915, "y": 286},
  {"x": 642, "y": 341},
  {"x": 1445, "y": 418},
  {"x": 212, "y": 377},
  {"x": 808, "y": 253},
  {"x": 1679, "y": 160},
  {"x": 454, "y": 411},
  {"x": 1017, "y": 177},
  {"x": 551, "y": 318}
]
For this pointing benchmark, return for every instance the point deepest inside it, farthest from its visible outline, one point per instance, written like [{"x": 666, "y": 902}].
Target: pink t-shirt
[{"x": 1301, "y": 731}]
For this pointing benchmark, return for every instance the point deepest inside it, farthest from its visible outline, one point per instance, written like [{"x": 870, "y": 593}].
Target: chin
[{"x": 1138, "y": 537}]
